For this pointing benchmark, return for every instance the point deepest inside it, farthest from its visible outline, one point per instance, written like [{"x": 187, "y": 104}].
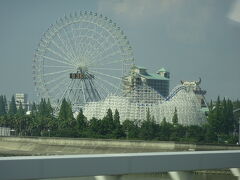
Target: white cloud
[
  {"x": 184, "y": 20},
  {"x": 191, "y": 23},
  {"x": 235, "y": 12},
  {"x": 136, "y": 10}
]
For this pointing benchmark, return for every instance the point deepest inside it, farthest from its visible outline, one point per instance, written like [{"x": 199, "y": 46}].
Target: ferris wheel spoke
[
  {"x": 87, "y": 49},
  {"x": 103, "y": 45},
  {"x": 58, "y": 85},
  {"x": 69, "y": 42},
  {"x": 62, "y": 50},
  {"x": 64, "y": 92},
  {"x": 106, "y": 41},
  {"x": 93, "y": 32},
  {"x": 83, "y": 92},
  {"x": 71, "y": 92},
  {"x": 80, "y": 36},
  {"x": 59, "y": 55},
  {"x": 116, "y": 61},
  {"x": 110, "y": 69},
  {"x": 57, "y": 72},
  {"x": 55, "y": 60},
  {"x": 98, "y": 50},
  {"x": 86, "y": 36},
  {"x": 66, "y": 47},
  {"x": 111, "y": 84},
  {"x": 103, "y": 88},
  {"x": 102, "y": 52},
  {"x": 85, "y": 44},
  {"x": 76, "y": 96},
  {"x": 106, "y": 57},
  {"x": 89, "y": 46},
  {"x": 100, "y": 44},
  {"x": 58, "y": 78},
  {"x": 81, "y": 44},
  {"x": 106, "y": 75},
  {"x": 96, "y": 94},
  {"x": 56, "y": 66},
  {"x": 74, "y": 44}
]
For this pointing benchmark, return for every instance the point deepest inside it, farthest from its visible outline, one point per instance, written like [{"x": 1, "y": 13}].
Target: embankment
[{"x": 52, "y": 146}]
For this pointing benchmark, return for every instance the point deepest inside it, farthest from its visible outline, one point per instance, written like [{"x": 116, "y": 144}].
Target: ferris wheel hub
[{"x": 82, "y": 69}]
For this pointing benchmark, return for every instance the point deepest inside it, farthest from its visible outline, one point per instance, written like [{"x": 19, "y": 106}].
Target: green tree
[
  {"x": 175, "y": 117},
  {"x": 20, "y": 111},
  {"x": 82, "y": 124},
  {"x": 116, "y": 119},
  {"x": 34, "y": 108},
  {"x": 178, "y": 132},
  {"x": 2, "y": 106},
  {"x": 42, "y": 118},
  {"x": 149, "y": 127},
  {"x": 108, "y": 124},
  {"x": 236, "y": 105},
  {"x": 217, "y": 121},
  {"x": 12, "y": 107},
  {"x": 225, "y": 114},
  {"x": 131, "y": 129},
  {"x": 165, "y": 130},
  {"x": 65, "y": 117},
  {"x": 118, "y": 131},
  {"x": 5, "y": 103},
  {"x": 148, "y": 130},
  {"x": 148, "y": 115},
  {"x": 43, "y": 109},
  {"x": 216, "y": 118},
  {"x": 49, "y": 109},
  {"x": 230, "y": 117},
  {"x": 81, "y": 121},
  {"x": 195, "y": 133},
  {"x": 95, "y": 128}
]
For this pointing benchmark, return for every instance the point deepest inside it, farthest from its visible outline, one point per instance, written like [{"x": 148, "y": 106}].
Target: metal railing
[{"x": 40, "y": 167}]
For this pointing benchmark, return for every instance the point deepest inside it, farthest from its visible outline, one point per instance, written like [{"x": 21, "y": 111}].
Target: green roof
[
  {"x": 162, "y": 70},
  {"x": 153, "y": 76}
]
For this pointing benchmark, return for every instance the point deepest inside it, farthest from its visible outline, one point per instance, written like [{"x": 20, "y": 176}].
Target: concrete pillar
[
  {"x": 236, "y": 172},
  {"x": 117, "y": 177},
  {"x": 180, "y": 175}
]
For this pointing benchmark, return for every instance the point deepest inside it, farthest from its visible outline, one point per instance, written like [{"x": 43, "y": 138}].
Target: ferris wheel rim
[{"x": 69, "y": 60}]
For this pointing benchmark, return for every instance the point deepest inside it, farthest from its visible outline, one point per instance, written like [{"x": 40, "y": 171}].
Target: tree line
[{"x": 222, "y": 124}]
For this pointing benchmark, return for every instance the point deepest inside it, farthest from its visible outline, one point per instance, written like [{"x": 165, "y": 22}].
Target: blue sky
[{"x": 190, "y": 38}]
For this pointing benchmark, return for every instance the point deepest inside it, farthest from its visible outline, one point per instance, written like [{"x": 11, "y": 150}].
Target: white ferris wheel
[{"x": 81, "y": 58}]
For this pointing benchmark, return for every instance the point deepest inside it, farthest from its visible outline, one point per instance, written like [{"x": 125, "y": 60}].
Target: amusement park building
[
  {"x": 139, "y": 76},
  {"x": 21, "y": 98},
  {"x": 143, "y": 91}
]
